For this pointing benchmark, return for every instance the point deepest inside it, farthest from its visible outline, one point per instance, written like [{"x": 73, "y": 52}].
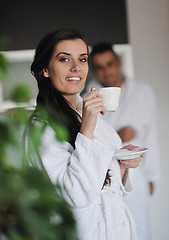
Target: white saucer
[{"x": 124, "y": 154}]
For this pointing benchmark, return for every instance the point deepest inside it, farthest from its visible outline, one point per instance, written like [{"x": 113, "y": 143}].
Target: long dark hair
[{"x": 48, "y": 96}]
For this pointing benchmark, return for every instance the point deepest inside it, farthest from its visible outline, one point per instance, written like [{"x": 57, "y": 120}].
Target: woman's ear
[{"x": 45, "y": 72}]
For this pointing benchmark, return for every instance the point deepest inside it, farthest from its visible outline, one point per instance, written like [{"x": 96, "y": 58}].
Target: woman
[{"x": 93, "y": 180}]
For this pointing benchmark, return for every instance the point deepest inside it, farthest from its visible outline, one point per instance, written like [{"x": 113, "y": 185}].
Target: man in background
[{"x": 136, "y": 123}]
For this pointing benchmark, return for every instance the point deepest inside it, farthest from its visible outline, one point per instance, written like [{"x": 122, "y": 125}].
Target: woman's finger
[
  {"x": 130, "y": 147},
  {"x": 94, "y": 108},
  {"x": 93, "y": 100},
  {"x": 92, "y": 94}
]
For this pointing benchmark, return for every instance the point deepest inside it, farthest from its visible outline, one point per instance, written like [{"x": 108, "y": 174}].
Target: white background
[{"x": 148, "y": 23}]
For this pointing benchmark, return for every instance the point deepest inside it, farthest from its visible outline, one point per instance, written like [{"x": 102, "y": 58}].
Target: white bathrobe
[
  {"x": 100, "y": 213},
  {"x": 138, "y": 108}
]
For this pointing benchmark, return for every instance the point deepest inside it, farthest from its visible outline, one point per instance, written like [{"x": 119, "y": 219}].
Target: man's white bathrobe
[{"x": 100, "y": 213}]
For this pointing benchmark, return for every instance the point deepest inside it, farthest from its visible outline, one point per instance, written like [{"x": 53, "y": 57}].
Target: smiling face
[
  {"x": 107, "y": 69},
  {"x": 68, "y": 68}
]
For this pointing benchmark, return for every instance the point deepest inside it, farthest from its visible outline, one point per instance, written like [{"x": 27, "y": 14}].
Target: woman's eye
[
  {"x": 83, "y": 60},
  {"x": 63, "y": 59}
]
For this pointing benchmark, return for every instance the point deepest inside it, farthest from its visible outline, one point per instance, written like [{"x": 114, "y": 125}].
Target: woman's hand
[
  {"x": 92, "y": 105},
  {"x": 129, "y": 163}
]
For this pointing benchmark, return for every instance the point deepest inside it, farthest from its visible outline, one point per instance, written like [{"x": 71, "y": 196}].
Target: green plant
[
  {"x": 31, "y": 207},
  {"x": 3, "y": 60},
  {"x": 20, "y": 93}
]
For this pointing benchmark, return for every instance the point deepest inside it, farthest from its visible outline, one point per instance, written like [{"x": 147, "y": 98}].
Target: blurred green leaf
[
  {"x": 20, "y": 93},
  {"x": 3, "y": 61},
  {"x": 4, "y": 42},
  {"x": 6, "y": 138},
  {"x": 36, "y": 132},
  {"x": 60, "y": 130},
  {"x": 3, "y": 66},
  {"x": 17, "y": 116}
]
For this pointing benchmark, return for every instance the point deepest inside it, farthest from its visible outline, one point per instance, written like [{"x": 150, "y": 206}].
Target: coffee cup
[{"x": 110, "y": 96}]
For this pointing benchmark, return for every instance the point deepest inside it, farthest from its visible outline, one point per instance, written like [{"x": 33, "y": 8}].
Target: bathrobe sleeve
[
  {"x": 111, "y": 139},
  {"x": 81, "y": 171},
  {"x": 127, "y": 185}
]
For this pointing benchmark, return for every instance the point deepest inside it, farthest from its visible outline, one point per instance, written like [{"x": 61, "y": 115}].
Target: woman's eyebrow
[
  {"x": 84, "y": 54},
  {"x": 63, "y": 53},
  {"x": 68, "y": 54}
]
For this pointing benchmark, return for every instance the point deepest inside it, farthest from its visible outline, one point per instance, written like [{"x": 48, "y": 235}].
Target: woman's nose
[{"x": 75, "y": 66}]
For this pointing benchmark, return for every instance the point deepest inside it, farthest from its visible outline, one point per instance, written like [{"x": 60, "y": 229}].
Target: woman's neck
[{"x": 71, "y": 99}]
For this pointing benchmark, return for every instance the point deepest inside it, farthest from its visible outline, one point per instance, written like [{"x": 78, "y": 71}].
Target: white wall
[
  {"x": 148, "y": 23},
  {"x": 19, "y": 63}
]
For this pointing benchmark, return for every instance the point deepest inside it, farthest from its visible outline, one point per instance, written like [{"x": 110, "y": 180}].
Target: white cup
[{"x": 110, "y": 97}]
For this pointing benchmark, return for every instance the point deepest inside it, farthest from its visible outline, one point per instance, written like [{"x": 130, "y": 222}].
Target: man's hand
[
  {"x": 151, "y": 188},
  {"x": 126, "y": 133}
]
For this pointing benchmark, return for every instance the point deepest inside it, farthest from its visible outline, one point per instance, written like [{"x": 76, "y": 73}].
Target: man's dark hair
[{"x": 101, "y": 48}]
